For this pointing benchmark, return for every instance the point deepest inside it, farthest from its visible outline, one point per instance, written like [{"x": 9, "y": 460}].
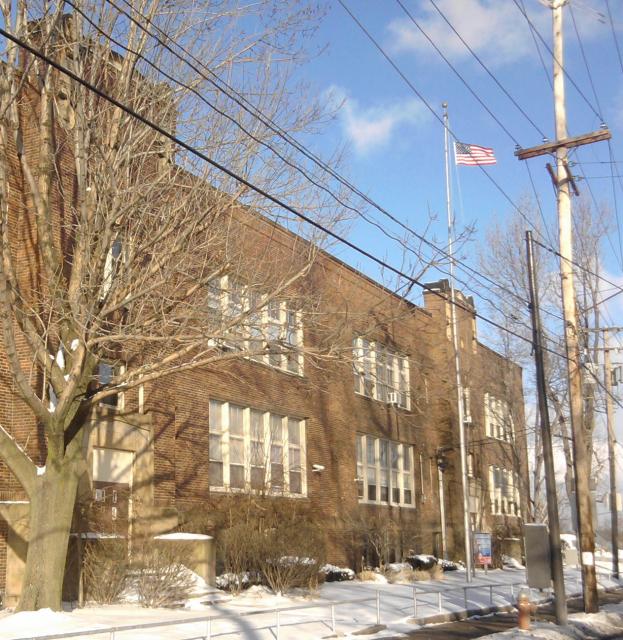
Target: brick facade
[{"x": 168, "y": 434}]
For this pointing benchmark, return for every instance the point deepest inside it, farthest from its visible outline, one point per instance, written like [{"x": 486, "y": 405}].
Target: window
[
  {"x": 504, "y": 491},
  {"x": 106, "y": 371},
  {"x": 498, "y": 419},
  {"x": 255, "y": 450},
  {"x": 384, "y": 471},
  {"x": 380, "y": 373},
  {"x": 272, "y": 331}
]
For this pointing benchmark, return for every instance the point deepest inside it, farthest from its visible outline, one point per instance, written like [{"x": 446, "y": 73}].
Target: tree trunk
[{"x": 51, "y": 511}]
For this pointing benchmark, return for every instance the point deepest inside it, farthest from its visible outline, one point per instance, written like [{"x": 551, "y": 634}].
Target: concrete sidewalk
[{"x": 497, "y": 622}]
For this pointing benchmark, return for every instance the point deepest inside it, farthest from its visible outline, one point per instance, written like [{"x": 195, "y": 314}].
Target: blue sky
[{"x": 395, "y": 144}]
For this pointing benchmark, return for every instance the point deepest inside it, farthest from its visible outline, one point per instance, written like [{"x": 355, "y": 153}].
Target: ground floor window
[
  {"x": 503, "y": 491},
  {"x": 384, "y": 471},
  {"x": 256, "y": 450}
]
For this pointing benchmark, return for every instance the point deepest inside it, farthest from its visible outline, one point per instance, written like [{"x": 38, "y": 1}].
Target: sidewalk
[{"x": 481, "y": 627}]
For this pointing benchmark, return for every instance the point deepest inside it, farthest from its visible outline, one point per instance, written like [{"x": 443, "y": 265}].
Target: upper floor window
[
  {"x": 256, "y": 450},
  {"x": 106, "y": 372},
  {"x": 384, "y": 471},
  {"x": 380, "y": 373},
  {"x": 504, "y": 491},
  {"x": 498, "y": 419},
  {"x": 271, "y": 331}
]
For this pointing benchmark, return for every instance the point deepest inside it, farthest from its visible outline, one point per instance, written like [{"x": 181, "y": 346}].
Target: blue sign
[{"x": 482, "y": 549}]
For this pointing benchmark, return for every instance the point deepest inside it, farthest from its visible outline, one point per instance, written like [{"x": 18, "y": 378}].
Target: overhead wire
[
  {"x": 597, "y": 101},
  {"x": 462, "y": 265},
  {"x": 413, "y": 88},
  {"x": 243, "y": 181}
]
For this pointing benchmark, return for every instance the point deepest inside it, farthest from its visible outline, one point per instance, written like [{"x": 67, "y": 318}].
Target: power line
[
  {"x": 523, "y": 12},
  {"x": 243, "y": 181},
  {"x": 188, "y": 147},
  {"x": 614, "y": 35},
  {"x": 456, "y": 71},
  {"x": 484, "y": 66},
  {"x": 430, "y": 108},
  {"x": 590, "y": 78},
  {"x": 267, "y": 122}
]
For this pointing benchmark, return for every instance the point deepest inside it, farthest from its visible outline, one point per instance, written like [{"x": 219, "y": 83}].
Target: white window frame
[
  {"x": 504, "y": 492},
  {"x": 219, "y": 295},
  {"x": 366, "y": 355},
  {"x": 499, "y": 423},
  {"x": 405, "y": 477},
  {"x": 267, "y": 440}
]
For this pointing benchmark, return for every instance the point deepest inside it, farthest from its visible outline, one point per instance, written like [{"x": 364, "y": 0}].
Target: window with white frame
[
  {"x": 380, "y": 373},
  {"x": 384, "y": 471},
  {"x": 498, "y": 419},
  {"x": 504, "y": 491},
  {"x": 255, "y": 450},
  {"x": 271, "y": 330}
]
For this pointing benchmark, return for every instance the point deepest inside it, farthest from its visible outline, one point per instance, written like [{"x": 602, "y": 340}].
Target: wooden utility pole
[
  {"x": 558, "y": 578},
  {"x": 563, "y": 178},
  {"x": 614, "y": 514},
  {"x": 581, "y": 460}
]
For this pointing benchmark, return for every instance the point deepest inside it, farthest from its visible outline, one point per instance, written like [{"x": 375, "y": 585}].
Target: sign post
[{"x": 482, "y": 550}]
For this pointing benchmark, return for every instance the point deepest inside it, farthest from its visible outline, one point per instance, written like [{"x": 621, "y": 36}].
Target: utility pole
[
  {"x": 563, "y": 178},
  {"x": 560, "y": 601},
  {"x": 614, "y": 515},
  {"x": 580, "y": 452},
  {"x": 457, "y": 364}
]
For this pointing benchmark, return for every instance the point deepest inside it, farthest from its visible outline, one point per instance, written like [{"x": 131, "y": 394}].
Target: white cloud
[
  {"x": 375, "y": 126},
  {"x": 492, "y": 28}
]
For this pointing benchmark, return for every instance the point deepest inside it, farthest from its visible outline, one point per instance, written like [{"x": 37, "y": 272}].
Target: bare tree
[
  {"x": 119, "y": 248},
  {"x": 504, "y": 260}
]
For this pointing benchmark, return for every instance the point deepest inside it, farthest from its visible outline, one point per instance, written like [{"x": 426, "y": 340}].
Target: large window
[
  {"x": 498, "y": 419},
  {"x": 384, "y": 471},
  {"x": 380, "y": 373},
  {"x": 271, "y": 330},
  {"x": 256, "y": 450},
  {"x": 503, "y": 491}
]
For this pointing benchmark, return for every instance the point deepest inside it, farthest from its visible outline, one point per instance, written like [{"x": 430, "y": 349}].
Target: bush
[
  {"x": 436, "y": 573},
  {"x": 404, "y": 575},
  {"x": 422, "y": 562},
  {"x": 291, "y": 555},
  {"x": 160, "y": 578},
  {"x": 269, "y": 541},
  {"x": 332, "y": 573},
  {"x": 105, "y": 566},
  {"x": 239, "y": 547}
]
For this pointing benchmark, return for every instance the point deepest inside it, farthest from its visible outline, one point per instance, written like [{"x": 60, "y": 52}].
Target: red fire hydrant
[{"x": 524, "y": 608}]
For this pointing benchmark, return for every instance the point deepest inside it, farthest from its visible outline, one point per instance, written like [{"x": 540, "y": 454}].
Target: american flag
[{"x": 472, "y": 154}]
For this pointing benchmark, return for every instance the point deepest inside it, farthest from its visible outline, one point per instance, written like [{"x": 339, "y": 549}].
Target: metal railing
[{"x": 418, "y": 594}]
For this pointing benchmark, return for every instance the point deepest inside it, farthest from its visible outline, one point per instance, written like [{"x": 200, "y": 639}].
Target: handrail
[{"x": 416, "y": 591}]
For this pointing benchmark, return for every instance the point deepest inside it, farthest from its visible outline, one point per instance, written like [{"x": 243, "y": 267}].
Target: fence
[{"x": 418, "y": 595}]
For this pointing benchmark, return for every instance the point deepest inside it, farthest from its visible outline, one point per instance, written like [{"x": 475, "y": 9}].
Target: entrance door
[{"x": 112, "y": 491}]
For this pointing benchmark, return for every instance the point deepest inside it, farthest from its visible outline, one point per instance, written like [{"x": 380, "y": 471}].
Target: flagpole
[{"x": 457, "y": 362}]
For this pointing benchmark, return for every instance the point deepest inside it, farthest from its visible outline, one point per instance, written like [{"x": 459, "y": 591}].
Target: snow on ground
[
  {"x": 251, "y": 614},
  {"x": 608, "y": 623}
]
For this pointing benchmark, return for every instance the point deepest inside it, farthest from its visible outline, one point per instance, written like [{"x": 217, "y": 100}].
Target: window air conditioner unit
[
  {"x": 392, "y": 397},
  {"x": 467, "y": 419},
  {"x": 100, "y": 495}
]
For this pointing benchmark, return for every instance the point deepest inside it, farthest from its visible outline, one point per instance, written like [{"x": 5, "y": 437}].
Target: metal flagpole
[{"x": 457, "y": 363}]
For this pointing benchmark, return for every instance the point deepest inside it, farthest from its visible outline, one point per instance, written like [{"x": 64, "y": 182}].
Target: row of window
[
  {"x": 380, "y": 373},
  {"x": 384, "y": 471},
  {"x": 504, "y": 491},
  {"x": 258, "y": 450},
  {"x": 498, "y": 419},
  {"x": 272, "y": 331}
]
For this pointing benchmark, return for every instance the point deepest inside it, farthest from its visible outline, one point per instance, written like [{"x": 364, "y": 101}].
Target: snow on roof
[{"x": 180, "y": 535}]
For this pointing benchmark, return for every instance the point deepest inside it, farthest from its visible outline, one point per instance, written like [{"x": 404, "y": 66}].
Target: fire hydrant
[{"x": 524, "y": 607}]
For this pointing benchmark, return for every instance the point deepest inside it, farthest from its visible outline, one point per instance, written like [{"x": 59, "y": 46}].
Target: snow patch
[
  {"x": 75, "y": 343},
  {"x": 41, "y": 470}
]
